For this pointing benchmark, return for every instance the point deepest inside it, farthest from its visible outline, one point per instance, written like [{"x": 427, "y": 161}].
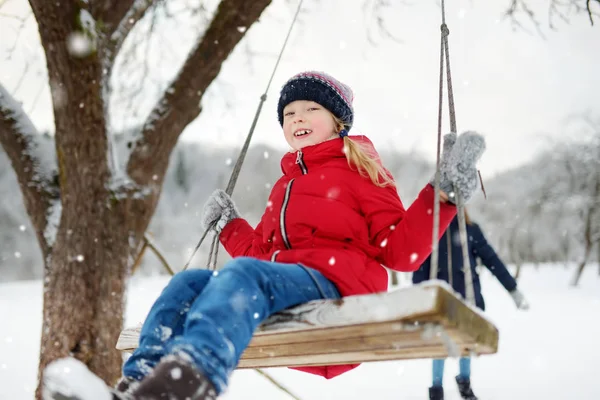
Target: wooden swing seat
[{"x": 423, "y": 321}]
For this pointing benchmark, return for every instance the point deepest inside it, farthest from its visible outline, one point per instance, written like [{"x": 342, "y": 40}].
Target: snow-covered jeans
[
  {"x": 209, "y": 317},
  {"x": 464, "y": 365}
]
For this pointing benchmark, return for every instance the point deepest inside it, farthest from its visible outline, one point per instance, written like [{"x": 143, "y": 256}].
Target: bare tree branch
[
  {"x": 556, "y": 8},
  {"x": 132, "y": 88},
  {"x": 518, "y": 7},
  {"x": 376, "y": 9},
  {"x": 17, "y": 137},
  {"x": 118, "y": 32},
  {"x": 112, "y": 12},
  {"x": 180, "y": 103},
  {"x": 588, "y": 7},
  {"x": 19, "y": 29}
]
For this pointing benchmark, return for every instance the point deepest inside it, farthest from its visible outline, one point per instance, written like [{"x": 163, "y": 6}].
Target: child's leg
[
  {"x": 222, "y": 321},
  {"x": 165, "y": 320},
  {"x": 438, "y": 372},
  {"x": 464, "y": 367}
]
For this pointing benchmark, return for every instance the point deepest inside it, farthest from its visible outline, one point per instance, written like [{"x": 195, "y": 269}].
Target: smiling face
[{"x": 306, "y": 123}]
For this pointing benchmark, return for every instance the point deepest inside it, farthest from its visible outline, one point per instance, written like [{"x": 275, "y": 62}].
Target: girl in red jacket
[{"x": 332, "y": 221}]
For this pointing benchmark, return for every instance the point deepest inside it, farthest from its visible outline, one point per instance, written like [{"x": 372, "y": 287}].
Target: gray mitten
[
  {"x": 220, "y": 208},
  {"x": 457, "y": 164},
  {"x": 519, "y": 300}
]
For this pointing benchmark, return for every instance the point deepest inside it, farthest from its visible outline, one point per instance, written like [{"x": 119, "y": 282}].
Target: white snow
[
  {"x": 73, "y": 376},
  {"x": 79, "y": 45},
  {"x": 13, "y": 108},
  {"x": 52, "y": 221},
  {"x": 549, "y": 352}
]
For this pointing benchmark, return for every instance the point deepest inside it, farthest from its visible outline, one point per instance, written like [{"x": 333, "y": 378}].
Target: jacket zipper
[
  {"x": 286, "y": 199},
  {"x": 300, "y": 162}
]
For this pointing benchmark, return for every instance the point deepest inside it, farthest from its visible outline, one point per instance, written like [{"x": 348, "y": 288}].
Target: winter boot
[
  {"x": 175, "y": 379},
  {"x": 464, "y": 387},
  {"x": 124, "y": 387},
  {"x": 126, "y": 384},
  {"x": 436, "y": 393}
]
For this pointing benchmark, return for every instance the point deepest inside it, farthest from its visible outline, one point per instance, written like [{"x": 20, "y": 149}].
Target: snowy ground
[{"x": 549, "y": 352}]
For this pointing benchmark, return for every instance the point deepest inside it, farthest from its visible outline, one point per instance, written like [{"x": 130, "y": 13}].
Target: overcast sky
[{"x": 514, "y": 86}]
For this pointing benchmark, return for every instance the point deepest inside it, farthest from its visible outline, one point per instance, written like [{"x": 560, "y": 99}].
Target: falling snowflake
[
  {"x": 79, "y": 45},
  {"x": 413, "y": 257},
  {"x": 256, "y": 315},
  {"x": 383, "y": 242},
  {"x": 176, "y": 374},
  {"x": 332, "y": 261},
  {"x": 79, "y": 258},
  {"x": 22, "y": 228},
  {"x": 17, "y": 254},
  {"x": 333, "y": 193}
]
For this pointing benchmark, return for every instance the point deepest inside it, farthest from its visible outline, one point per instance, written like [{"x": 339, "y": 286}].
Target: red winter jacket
[{"x": 323, "y": 214}]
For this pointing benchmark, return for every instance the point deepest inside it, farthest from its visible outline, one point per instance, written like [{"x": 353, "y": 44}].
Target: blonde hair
[{"x": 364, "y": 161}]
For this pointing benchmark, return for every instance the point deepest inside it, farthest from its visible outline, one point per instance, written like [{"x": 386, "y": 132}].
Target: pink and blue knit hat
[{"x": 320, "y": 88}]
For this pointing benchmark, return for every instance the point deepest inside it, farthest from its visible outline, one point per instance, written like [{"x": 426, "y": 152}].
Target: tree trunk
[
  {"x": 587, "y": 237},
  {"x": 598, "y": 256},
  {"x": 580, "y": 269},
  {"x": 85, "y": 279}
]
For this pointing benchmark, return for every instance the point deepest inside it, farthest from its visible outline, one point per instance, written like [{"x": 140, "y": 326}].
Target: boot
[
  {"x": 126, "y": 385},
  {"x": 175, "y": 379},
  {"x": 436, "y": 393},
  {"x": 464, "y": 387}
]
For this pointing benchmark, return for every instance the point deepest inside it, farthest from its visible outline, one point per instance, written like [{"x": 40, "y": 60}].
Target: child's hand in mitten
[
  {"x": 219, "y": 208},
  {"x": 457, "y": 164},
  {"x": 519, "y": 300}
]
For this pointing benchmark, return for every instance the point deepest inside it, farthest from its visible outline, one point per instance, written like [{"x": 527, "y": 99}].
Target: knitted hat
[{"x": 320, "y": 88}]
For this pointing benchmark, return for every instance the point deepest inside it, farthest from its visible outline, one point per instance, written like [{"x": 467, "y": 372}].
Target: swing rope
[
  {"x": 214, "y": 247},
  {"x": 462, "y": 227}
]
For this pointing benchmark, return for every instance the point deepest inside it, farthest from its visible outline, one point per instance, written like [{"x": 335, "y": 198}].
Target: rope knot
[{"x": 445, "y": 30}]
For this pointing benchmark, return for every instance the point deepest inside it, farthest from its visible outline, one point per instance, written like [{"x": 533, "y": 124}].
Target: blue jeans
[
  {"x": 464, "y": 365},
  {"x": 209, "y": 317}
]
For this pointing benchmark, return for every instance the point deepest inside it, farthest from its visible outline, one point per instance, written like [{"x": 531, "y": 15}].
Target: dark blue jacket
[{"x": 478, "y": 248}]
